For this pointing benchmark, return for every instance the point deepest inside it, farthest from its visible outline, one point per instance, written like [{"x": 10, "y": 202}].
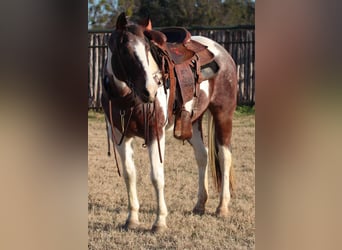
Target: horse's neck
[
  {"x": 153, "y": 64},
  {"x": 121, "y": 86}
]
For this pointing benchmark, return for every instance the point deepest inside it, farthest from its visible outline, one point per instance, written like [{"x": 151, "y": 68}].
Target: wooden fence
[{"x": 239, "y": 42}]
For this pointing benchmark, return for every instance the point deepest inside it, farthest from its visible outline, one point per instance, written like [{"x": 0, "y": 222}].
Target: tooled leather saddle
[{"x": 187, "y": 57}]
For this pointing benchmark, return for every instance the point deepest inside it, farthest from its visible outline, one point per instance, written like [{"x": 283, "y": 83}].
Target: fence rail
[{"x": 239, "y": 41}]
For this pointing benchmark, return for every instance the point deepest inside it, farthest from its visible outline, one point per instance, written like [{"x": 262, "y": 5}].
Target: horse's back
[
  {"x": 221, "y": 55},
  {"x": 213, "y": 46},
  {"x": 225, "y": 88}
]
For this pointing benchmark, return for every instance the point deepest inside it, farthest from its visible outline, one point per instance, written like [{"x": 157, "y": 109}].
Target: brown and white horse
[{"x": 136, "y": 101}]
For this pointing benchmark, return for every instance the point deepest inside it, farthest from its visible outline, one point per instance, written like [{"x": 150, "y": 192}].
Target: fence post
[{"x": 90, "y": 72}]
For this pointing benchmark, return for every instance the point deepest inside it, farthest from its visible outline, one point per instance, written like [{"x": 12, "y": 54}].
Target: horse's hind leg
[
  {"x": 225, "y": 159},
  {"x": 157, "y": 177},
  {"x": 223, "y": 132},
  {"x": 126, "y": 154},
  {"x": 201, "y": 158}
]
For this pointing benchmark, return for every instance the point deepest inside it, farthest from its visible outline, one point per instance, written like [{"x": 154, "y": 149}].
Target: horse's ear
[
  {"x": 157, "y": 37},
  {"x": 121, "y": 22},
  {"x": 146, "y": 22},
  {"x": 149, "y": 25}
]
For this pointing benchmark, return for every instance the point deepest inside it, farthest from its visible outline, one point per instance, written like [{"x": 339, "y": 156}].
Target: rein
[
  {"x": 123, "y": 129},
  {"x": 146, "y": 113},
  {"x": 169, "y": 81},
  {"x": 146, "y": 127},
  {"x": 123, "y": 132}
]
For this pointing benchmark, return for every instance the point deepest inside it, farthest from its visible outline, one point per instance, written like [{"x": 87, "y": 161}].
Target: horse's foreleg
[
  {"x": 126, "y": 154},
  {"x": 157, "y": 178},
  {"x": 201, "y": 158}
]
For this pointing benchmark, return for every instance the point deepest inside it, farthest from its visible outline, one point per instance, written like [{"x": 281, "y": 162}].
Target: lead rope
[
  {"x": 108, "y": 139},
  {"x": 113, "y": 136},
  {"x": 146, "y": 123},
  {"x": 157, "y": 134},
  {"x": 146, "y": 109}
]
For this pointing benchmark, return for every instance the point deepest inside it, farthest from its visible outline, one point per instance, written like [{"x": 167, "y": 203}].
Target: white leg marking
[
  {"x": 201, "y": 153},
  {"x": 225, "y": 158},
  {"x": 157, "y": 177},
  {"x": 126, "y": 154}
]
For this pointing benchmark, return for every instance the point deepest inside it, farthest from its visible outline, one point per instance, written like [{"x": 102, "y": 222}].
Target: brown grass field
[{"x": 107, "y": 197}]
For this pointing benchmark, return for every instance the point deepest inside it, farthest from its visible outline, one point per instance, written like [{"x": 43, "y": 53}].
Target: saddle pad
[{"x": 186, "y": 81}]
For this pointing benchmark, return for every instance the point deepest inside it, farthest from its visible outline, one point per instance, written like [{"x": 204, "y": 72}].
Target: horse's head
[{"x": 131, "y": 61}]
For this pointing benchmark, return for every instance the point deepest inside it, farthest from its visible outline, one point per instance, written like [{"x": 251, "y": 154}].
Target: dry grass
[{"x": 107, "y": 199}]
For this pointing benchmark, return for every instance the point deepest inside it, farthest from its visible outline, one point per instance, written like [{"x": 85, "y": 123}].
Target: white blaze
[{"x": 150, "y": 67}]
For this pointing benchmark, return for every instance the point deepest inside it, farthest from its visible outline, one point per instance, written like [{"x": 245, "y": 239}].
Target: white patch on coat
[
  {"x": 149, "y": 66},
  {"x": 204, "y": 86},
  {"x": 188, "y": 106},
  {"x": 120, "y": 84},
  {"x": 109, "y": 62},
  {"x": 163, "y": 100}
]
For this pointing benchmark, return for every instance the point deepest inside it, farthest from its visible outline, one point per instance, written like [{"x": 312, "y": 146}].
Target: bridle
[{"x": 159, "y": 78}]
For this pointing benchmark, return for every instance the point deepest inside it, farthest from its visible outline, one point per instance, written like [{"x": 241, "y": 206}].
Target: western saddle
[{"x": 185, "y": 59}]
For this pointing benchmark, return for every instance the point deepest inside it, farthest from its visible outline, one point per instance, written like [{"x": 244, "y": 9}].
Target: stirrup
[{"x": 183, "y": 126}]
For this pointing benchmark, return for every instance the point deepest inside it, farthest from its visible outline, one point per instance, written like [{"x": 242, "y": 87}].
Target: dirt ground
[{"x": 107, "y": 197}]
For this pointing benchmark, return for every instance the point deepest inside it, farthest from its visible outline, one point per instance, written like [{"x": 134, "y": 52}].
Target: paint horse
[{"x": 141, "y": 93}]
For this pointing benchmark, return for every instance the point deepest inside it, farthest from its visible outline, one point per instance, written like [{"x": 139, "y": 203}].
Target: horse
[{"x": 141, "y": 92}]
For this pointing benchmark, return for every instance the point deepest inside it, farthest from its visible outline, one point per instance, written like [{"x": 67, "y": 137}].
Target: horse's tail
[{"x": 213, "y": 159}]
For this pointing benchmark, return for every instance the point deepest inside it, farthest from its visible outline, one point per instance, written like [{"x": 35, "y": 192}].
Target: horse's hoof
[
  {"x": 129, "y": 225},
  {"x": 222, "y": 212},
  {"x": 198, "y": 211},
  {"x": 158, "y": 228}
]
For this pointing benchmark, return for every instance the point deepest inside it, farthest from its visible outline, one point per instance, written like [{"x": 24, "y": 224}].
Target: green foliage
[
  {"x": 100, "y": 12},
  {"x": 245, "y": 110},
  {"x": 97, "y": 116},
  {"x": 103, "y": 13}
]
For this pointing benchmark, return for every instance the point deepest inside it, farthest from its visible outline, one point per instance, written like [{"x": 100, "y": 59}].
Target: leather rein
[{"x": 146, "y": 112}]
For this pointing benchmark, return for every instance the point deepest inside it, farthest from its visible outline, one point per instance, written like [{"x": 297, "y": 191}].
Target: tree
[
  {"x": 100, "y": 12},
  {"x": 197, "y": 12},
  {"x": 103, "y": 13},
  {"x": 238, "y": 12},
  {"x": 208, "y": 13}
]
